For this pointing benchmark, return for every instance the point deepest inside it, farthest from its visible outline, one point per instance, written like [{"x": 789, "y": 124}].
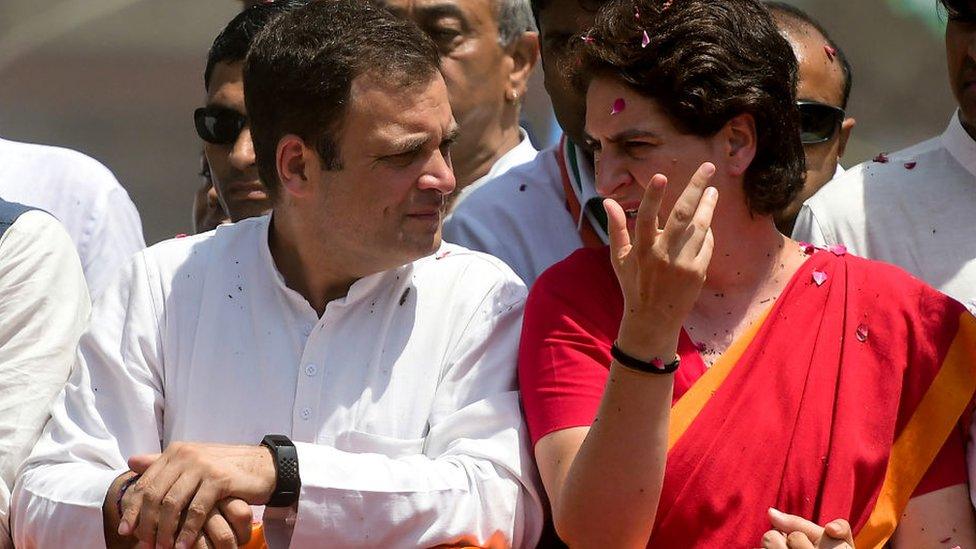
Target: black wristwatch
[{"x": 288, "y": 484}]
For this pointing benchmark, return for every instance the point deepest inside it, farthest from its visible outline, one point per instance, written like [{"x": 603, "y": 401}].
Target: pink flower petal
[
  {"x": 588, "y": 39},
  {"x": 646, "y": 40},
  {"x": 666, "y": 5},
  {"x": 819, "y": 277},
  {"x": 837, "y": 249},
  {"x": 618, "y": 106},
  {"x": 442, "y": 255},
  {"x": 181, "y": 235},
  {"x": 636, "y": 13},
  {"x": 882, "y": 158},
  {"x": 910, "y": 165},
  {"x": 657, "y": 363},
  {"x": 807, "y": 247},
  {"x": 831, "y": 51},
  {"x": 862, "y": 333}
]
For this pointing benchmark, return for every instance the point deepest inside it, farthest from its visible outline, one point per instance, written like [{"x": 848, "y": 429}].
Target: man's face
[
  {"x": 561, "y": 22},
  {"x": 475, "y": 66},
  {"x": 961, "y": 60},
  {"x": 232, "y": 166},
  {"x": 821, "y": 80},
  {"x": 385, "y": 206}
]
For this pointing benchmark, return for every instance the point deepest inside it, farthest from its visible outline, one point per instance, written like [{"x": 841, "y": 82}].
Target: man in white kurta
[
  {"x": 44, "y": 308},
  {"x": 340, "y": 321},
  {"x": 84, "y": 195}
]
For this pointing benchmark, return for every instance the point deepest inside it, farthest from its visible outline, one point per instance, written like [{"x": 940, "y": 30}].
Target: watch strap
[{"x": 288, "y": 482}]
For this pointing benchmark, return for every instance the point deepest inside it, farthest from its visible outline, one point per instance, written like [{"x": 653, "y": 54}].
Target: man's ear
[
  {"x": 846, "y": 127},
  {"x": 295, "y": 161},
  {"x": 524, "y": 52},
  {"x": 740, "y": 143}
]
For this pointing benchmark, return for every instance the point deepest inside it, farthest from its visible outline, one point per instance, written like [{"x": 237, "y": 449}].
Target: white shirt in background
[
  {"x": 84, "y": 195},
  {"x": 519, "y": 217},
  {"x": 44, "y": 308},
  {"x": 917, "y": 211},
  {"x": 520, "y": 154},
  {"x": 401, "y": 399}
]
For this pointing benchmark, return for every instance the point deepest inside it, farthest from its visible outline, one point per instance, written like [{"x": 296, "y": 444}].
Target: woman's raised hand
[{"x": 661, "y": 271}]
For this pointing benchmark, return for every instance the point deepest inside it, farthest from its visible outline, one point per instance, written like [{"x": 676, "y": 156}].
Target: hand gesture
[
  {"x": 792, "y": 532},
  {"x": 194, "y": 488},
  {"x": 661, "y": 271}
]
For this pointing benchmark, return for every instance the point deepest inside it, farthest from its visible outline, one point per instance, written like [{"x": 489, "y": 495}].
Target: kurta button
[
  {"x": 311, "y": 370},
  {"x": 306, "y": 413}
]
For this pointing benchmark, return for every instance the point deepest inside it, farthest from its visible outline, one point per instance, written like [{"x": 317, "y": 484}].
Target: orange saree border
[
  {"x": 920, "y": 441},
  {"x": 686, "y": 410}
]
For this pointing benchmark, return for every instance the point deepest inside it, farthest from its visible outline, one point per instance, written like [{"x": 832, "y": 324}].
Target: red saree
[{"x": 846, "y": 400}]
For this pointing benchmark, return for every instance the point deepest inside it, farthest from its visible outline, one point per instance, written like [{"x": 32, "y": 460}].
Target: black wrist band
[
  {"x": 655, "y": 366},
  {"x": 288, "y": 483}
]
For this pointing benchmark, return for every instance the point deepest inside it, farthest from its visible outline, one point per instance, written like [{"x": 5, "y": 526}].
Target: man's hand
[
  {"x": 186, "y": 483},
  {"x": 792, "y": 532},
  {"x": 661, "y": 271}
]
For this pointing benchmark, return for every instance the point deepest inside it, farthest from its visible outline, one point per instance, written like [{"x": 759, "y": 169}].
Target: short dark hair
[
  {"x": 706, "y": 62},
  {"x": 959, "y": 10},
  {"x": 299, "y": 73},
  {"x": 802, "y": 18},
  {"x": 232, "y": 43}
]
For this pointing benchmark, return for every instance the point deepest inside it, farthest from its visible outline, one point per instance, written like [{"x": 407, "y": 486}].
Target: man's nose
[
  {"x": 242, "y": 155},
  {"x": 438, "y": 174}
]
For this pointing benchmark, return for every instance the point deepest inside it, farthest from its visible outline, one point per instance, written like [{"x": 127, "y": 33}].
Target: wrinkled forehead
[{"x": 472, "y": 11}]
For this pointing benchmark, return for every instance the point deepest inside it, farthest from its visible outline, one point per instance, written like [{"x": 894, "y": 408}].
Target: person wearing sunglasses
[
  {"x": 222, "y": 124},
  {"x": 823, "y": 89},
  {"x": 915, "y": 208}
]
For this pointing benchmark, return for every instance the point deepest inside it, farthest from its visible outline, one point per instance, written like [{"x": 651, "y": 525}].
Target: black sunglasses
[
  {"x": 218, "y": 125},
  {"x": 819, "y": 122}
]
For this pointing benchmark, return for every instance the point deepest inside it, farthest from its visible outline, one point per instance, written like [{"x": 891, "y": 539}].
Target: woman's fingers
[
  {"x": 617, "y": 230},
  {"x": 774, "y": 539},
  {"x": 701, "y": 224},
  {"x": 645, "y": 230},
  {"x": 684, "y": 209}
]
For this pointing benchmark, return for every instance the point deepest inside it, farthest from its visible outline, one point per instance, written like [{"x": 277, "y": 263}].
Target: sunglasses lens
[
  {"x": 218, "y": 126},
  {"x": 818, "y": 122}
]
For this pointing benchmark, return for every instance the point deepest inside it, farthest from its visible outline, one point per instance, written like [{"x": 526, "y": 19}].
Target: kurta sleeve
[
  {"x": 472, "y": 483},
  {"x": 115, "y": 388},
  {"x": 44, "y": 308}
]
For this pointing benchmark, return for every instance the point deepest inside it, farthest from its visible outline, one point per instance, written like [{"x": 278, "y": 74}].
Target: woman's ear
[{"x": 739, "y": 141}]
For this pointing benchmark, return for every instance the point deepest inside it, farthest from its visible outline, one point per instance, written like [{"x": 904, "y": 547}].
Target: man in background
[
  {"x": 222, "y": 124},
  {"x": 488, "y": 49},
  {"x": 44, "y": 308},
  {"x": 84, "y": 195},
  {"x": 824, "y": 86}
]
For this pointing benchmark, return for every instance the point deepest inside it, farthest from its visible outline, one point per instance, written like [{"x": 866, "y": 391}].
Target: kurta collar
[{"x": 960, "y": 145}]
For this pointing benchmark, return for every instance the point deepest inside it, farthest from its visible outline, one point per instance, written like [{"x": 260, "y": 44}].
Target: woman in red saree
[{"x": 816, "y": 383}]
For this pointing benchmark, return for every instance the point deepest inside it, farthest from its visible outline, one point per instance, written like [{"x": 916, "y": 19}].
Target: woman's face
[{"x": 634, "y": 139}]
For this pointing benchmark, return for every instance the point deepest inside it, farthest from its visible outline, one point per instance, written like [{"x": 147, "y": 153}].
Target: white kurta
[
  {"x": 44, "y": 308},
  {"x": 916, "y": 210},
  {"x": 522, "y": 153},
  {"x": 519, "y": 217},
  {"x": 84, "y": 195},
  {"x": 401, "y": 398}
]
